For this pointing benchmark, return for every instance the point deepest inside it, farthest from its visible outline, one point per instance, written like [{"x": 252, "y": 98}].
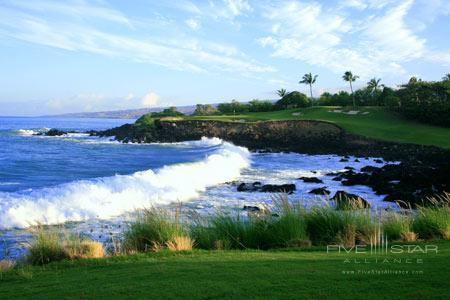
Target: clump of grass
[
  {"x": 152, "y": 229},
  {"x": 327, "y": 225},
  {"x": 347, "y": 237},
  {"x": 289, "y": 228},
  {"x": 46, "y": 246},
  {"x": 283, "y": 226},
  {"x": 180, "y": 243},
  {"x": 6, "y": 266},
  {"x": 397, "y": 226},
  {"x": 77, "y": 247},
  {"x": 233, "y": 230},
  {"x": 433, "y": 221},
  {"x": 51, "y": 244},
  {"x": 408, "y": 236},
  {"x": 367, "y": 227},
  {"x": 344, "y": 202}
]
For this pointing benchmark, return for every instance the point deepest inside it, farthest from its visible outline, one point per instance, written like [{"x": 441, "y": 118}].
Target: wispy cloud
[
  {"x": 194, "y": 24},
  {"x": 371, "y": 46},
  {"x": 68, "y": 32},
  {"x": 79, "y": 9}
]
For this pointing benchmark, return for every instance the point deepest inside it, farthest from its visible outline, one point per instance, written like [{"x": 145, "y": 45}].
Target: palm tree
[
  {"x": 309, "y": 79},
  {"x": 374, "y": 84},
  {"x": 446, "y": 77},
  {"x": 281, "y": 93},
  {"x": 348, "y": 76}
]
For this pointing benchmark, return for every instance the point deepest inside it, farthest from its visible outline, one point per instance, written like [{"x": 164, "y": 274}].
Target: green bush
[
  {"x": 293, "y": 100},
  {"x": 146, "y": 120},
  {"x": 205, "y": 110}
]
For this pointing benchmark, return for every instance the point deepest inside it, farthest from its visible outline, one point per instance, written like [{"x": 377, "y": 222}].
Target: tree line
[{"x": 424, "y": 101}]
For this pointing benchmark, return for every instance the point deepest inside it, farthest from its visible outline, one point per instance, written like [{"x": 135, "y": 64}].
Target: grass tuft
[
  {"x": 46, "y": 246},
  {"x": 152, "y": 229},
  {"x": 51, "y": 244},
  {"x": 397, "y": 226},
  {"x": 180, "y": 243}
]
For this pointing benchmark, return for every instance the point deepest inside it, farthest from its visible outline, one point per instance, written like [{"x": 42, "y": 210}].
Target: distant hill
[
  {"x": 122, "y": 114},
  {"x": 129, "y": 113}
]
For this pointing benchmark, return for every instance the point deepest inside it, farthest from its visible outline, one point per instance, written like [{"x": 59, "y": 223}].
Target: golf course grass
[
  {"x": 289, "y": 274},
  {"x": 377, "y": 123}
]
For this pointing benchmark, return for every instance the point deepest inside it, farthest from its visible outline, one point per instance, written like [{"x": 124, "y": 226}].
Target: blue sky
[{"x": 72, "y": 56}]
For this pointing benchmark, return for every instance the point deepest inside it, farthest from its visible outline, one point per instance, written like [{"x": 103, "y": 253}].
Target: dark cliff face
[
  {"x": 299, "y": 136},
  {"x": 303, "y": 136}
]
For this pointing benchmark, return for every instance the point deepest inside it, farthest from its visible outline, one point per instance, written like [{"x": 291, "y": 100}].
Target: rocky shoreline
[{"x": 424, "y": 171}]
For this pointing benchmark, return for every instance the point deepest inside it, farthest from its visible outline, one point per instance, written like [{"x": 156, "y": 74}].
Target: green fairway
[
  {"x": 376, "y": 123},
  {"x": 289, "y": 274}
]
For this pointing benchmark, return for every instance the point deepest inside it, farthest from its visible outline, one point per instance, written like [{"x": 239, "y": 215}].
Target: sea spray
[{"x": 112, "y": 196}]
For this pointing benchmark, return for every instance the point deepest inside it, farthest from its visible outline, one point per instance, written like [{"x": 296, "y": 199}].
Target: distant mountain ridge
[{"x": 122, "y": 114}]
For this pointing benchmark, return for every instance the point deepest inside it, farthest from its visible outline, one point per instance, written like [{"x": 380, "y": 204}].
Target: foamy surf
[
  {"x": 108, "y": 197},
  {"x": 30, "y": 132}
]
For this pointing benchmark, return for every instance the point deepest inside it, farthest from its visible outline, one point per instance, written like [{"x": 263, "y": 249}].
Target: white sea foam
[
  {"x": 26, "y": 132},
  {"x": 29, "y": 132},
  {"x": 112, "y": 196}
]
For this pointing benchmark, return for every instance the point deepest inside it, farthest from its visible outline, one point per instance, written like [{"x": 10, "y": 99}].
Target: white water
[{"x": 112, "y": 196}]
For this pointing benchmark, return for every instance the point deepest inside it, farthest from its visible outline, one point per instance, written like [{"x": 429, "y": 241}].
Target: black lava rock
[
  {"x": 320, "y": 191},
  {"x": 311, "y": 179}
]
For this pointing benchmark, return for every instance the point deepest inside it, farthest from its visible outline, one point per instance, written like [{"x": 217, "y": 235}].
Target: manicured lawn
[
  {"x": 378, "y": 123},
  {"x": 290, "y": 274}
]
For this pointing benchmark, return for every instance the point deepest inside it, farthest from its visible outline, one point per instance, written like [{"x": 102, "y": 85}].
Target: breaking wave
[{"x": 112, "y": 196}]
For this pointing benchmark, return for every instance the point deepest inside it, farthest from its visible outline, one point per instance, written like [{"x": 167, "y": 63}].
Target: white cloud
[
  {"x": 80, "y": 9},
  {"x": 194, "y": 24},
  {"x": 358, "y": 4},
  {"x": 69, "y": 33},
  {"x": 367, "y": 4},
  {"x": 237, "y": 7},
  {"x": 129, "y": 97},
  {"x": 310, "y": 33},
  {"x": 439, "y": 57},
  {"x": 392, "y": 38},
  {"x": 150, "y": 100}
]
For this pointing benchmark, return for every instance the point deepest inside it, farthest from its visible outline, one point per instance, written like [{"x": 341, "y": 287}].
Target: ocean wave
[
  {"x": 112, "y": 196},
  {"x": 29, "y": 132}
]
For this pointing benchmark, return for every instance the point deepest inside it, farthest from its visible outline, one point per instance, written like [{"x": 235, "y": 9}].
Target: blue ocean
[{"x": 86, "y": 182}]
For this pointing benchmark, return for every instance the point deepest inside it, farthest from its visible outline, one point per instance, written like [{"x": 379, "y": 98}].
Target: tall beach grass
[
  {"x": 53, "y": 244},
  {"x": 290, "y": 224}
]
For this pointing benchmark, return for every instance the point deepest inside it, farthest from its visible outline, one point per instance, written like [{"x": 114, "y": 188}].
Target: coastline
[{"x": 423, "y": 171}]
